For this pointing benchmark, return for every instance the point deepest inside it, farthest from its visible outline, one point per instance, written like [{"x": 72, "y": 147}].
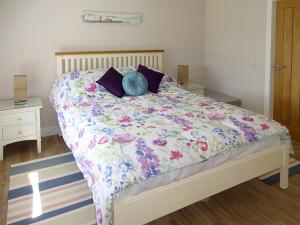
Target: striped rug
[{"x": 49, "y": 191}]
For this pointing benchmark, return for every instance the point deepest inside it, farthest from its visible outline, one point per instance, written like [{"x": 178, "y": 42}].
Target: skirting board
[{"x": 50, "y": 131}]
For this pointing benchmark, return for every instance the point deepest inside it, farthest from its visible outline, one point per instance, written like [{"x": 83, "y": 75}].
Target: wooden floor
[{"x": 250, "y": 203}]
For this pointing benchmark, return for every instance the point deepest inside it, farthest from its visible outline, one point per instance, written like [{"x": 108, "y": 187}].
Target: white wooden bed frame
[{"x": 155, "y": 203}]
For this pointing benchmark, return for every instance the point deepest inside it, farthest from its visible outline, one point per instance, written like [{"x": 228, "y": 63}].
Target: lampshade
[
  {"x": 182, "y": 74},
  {"x": 20, "y": 88}
]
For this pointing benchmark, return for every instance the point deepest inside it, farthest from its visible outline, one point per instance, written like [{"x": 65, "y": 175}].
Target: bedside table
[
  {"x": 20, "y": 122},
  {"x": 197, "y": 89},
  {"x": 219, "y": 97}
]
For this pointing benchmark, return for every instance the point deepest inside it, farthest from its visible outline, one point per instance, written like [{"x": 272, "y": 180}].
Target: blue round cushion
[{"x": 135, "y": 84}]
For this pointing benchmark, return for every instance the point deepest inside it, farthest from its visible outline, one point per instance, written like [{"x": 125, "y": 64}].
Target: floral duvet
[{"x": 121, "y": 142}]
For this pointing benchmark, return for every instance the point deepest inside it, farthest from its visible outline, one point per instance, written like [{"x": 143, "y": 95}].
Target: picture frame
[{"x": 111, "y": 17}]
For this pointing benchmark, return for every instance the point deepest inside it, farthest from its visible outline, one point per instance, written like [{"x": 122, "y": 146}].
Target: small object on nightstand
[
  {"x": 183, "y": 74},
  {"x": 195, "y": 88},
  {"x": 20, "y": 122},
  {"x": 20, "y": 89}
]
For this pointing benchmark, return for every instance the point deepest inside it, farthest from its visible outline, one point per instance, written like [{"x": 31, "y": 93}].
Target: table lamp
[
  {"x": 20, "y": 89},
  {"x": 183, "y": 74}
]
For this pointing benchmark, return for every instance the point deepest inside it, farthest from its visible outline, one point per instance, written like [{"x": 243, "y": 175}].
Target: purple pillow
[
  {"x": 112, "y": 81},
  {"x": 153, "y": 78}
]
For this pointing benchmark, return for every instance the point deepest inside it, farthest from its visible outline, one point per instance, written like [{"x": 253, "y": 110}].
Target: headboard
[{"x": 81, "y": 61}]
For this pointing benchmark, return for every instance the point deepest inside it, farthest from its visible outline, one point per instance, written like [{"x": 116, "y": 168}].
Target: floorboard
[{"x": 251, "y": 203}]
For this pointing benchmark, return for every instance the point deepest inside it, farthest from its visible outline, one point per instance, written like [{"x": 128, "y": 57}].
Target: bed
[{"x": 147, "y": 156}]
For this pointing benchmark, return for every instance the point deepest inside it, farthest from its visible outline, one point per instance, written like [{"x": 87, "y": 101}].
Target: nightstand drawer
[
  {"x": 18, "y": 118},
  {"x": 19, "y": 131}
]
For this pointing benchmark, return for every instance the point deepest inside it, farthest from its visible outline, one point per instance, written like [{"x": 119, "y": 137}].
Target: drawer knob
[
  {"x": 19, "y": 119},
  {"x": 20, "y": 132}
]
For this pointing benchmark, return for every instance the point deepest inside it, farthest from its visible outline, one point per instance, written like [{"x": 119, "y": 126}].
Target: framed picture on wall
[{"x": 111, "y": 17}]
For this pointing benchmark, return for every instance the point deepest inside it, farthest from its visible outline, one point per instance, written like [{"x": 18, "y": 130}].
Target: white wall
[
  {"x": 236, "y": 49},
  {"x": 32, "y": 30}
]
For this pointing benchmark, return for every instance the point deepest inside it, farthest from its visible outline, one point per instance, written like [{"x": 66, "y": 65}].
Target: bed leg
[{"x": 284, "y": 170}]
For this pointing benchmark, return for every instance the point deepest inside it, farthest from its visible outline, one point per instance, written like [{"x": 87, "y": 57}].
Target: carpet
[
  {"x": 49, "y": 191},
  {"x": 273, "y": 177}
]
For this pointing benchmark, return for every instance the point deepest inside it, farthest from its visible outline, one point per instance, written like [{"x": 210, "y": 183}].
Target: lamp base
[{"x": 20, "y": 102}]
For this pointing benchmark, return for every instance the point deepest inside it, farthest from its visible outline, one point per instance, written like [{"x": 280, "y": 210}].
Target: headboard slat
[
  {"x": 72, "y": 64},
  {"x": 81, "y": 61}
]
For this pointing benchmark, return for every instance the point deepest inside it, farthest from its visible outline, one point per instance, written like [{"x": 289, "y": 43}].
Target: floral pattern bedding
[{"x": 121, "y": 142}]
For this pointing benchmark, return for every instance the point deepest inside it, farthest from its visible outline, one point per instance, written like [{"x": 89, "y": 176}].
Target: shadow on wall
[{"x": 210, "y": 81}]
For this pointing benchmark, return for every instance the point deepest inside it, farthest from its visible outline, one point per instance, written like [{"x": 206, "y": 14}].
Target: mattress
[{"x": 124, "y": 146}]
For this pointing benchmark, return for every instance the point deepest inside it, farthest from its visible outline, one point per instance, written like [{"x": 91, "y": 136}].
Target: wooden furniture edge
[{"x": 108, "y": 52}]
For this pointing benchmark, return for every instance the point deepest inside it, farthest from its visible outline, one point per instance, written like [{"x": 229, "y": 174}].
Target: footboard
[{"x": 155, "y": 203}]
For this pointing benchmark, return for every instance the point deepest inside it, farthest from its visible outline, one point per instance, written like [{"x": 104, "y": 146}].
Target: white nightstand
[
  {"x": 220, "y": 97},
  {"x": 195, "y": 88},
  {"x": 20, "y": 122}
]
